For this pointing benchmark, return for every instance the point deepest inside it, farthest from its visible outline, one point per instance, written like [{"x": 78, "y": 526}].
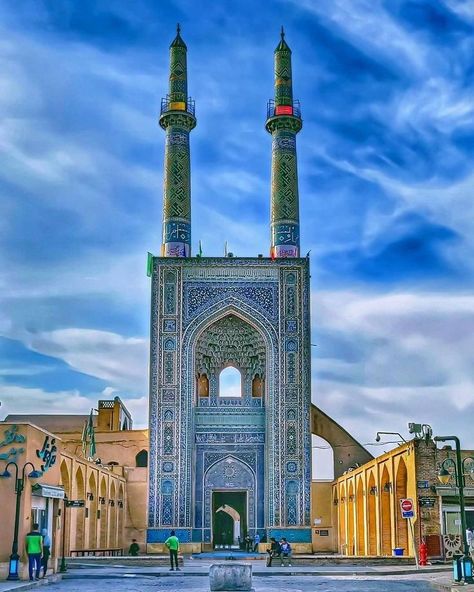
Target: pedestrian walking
[
  {"x": 285, "y": 552},
  {"x": 248, "y": 543},
  {"x": 256, "y": 541},
  {"x": 172, "y": 542},
  {"x": 34, "y": 550},
  {"x": 274, "y": 551},
  {"x": 46, "y": 551}
]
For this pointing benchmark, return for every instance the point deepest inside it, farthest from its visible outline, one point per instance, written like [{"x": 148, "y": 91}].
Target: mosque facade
[{"x": 221, "y": 466}]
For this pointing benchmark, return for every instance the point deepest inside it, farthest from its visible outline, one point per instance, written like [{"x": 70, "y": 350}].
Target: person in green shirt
[
  {"x": 34, "y": 550},
  {"x": 172, "y": 542},
  {"x": 134, "y": 548}
]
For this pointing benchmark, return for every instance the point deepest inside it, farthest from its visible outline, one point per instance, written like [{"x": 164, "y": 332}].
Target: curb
[
  {"x": 26, "y": 585},
  {"x": 257, "y": 574}
]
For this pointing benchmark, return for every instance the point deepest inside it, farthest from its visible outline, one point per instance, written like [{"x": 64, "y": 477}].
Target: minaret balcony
[
  {"x": 292, "y": 110},
  {"x": 186, "y": 106}
]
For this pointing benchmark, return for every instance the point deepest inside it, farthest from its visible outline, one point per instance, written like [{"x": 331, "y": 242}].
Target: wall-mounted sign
[
  {"x": 423, "y": 484},
  {"x": 48, "y": 491},
  {"x": 11, "y": 436},
  {"x": 406, "y": 507},
  {"x": 324, "y": 533},
  {"x": 427, "y": 502},
  {"x": 47, "y": 453},
  {"x": 75, "y": 503}
]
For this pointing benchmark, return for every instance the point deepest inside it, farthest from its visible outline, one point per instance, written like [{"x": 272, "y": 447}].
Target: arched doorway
[
  {"x": 92, "y": 512},
  {"x": 65, "y": 522},
  {"x": 112, "y": 517},
  {"x": 229, "y": 482},
  {"x": 350, "y": 520},
  {"x": 120, "y": 511},
  {"x": 401, "y": 493},
  {"x": 342, "y": 520},
  {"x": 360, "y": 498},
  {"x": 103, "y": 513},
  {"x": 79, "y": 513},
  {"x": 385, "y": 517},
  {"x": 372, "y": 515}
]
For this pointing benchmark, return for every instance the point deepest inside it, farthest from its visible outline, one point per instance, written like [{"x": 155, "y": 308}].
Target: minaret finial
[
  {"x": 178, "y": 28},
  {"x": 282, "y": 33}
]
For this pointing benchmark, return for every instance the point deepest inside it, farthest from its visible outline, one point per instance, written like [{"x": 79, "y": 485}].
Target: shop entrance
[{"x": 229, "y": 518}]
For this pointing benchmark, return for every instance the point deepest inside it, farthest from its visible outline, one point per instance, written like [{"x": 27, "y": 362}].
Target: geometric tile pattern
[{"x": 265, "y": 449}]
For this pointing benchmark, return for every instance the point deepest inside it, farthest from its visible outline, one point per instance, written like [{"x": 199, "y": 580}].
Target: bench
[{"x": 97, "y": 552}]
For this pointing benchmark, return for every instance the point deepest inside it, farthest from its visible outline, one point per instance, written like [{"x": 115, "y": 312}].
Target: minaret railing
[{"x": 293, "y": 109}]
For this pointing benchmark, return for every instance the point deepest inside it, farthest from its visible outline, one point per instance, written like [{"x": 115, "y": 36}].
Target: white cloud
[
  {"x": 397, "y": 358},
  {"x": 18, "y": 399},
  {"x": 121, "y": 361}
]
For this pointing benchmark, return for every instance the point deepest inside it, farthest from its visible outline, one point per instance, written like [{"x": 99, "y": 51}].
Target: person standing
[
  {"x": 34, "y": 550},
  {"x": 256, "y": 541},
  {"x": 470, "y": 538},
  {"x": 285, "y": 551},
  {"x": 46, "y": 551},
  {"x": 248, "y": 543},
  {"x": 172, "y": 542}
]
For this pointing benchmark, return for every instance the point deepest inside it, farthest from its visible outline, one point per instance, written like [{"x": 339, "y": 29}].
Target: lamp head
[
  {"x": 377, "y": 437},
  {"x": 5, "y": 474},
  {"x": 444, "y": 476},
  {"x": 35, "y": 474}
]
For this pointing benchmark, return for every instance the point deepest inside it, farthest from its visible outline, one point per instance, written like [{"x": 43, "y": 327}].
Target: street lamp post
[
  {"x": 63, "y": 567},
  {"x": 19, "y": 486},
  {"x": 444, "y": 476}
]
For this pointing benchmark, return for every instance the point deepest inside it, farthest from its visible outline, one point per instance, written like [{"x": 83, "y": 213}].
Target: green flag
[
  {"x": 149, "y": 264},
  {"x": 84, "y": 439},
  {"x": 91, "y": 436}
]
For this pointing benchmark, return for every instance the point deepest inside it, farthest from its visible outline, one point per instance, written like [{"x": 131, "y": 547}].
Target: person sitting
[
  {"x": 285, "y": 551},
  {"x": 274, "y": 551},
  {"x": 134, "y": 548}
]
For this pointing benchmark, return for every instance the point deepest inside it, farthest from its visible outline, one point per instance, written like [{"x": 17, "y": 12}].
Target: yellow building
[{"x": 107, "y": 494}]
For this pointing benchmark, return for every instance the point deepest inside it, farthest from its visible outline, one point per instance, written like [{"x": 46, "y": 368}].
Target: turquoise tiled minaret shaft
[
  {"x": 177, "y": 119},
  {"x": 284, "y": 122}
]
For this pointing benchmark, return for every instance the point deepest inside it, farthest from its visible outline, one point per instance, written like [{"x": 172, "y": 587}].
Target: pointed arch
[
  {"x": 401, "y": 482},
  {"x": 372, "y": 515},
  {"x": 385, "y": 513},
  {"x": 141, "y": 459},
  {"x": 112, "y": 516},
  {"x": 120, "y": 512},
  {"x": 350, "y": 519},
  {"x": 360, "y": 520},
  {"x": 92, "y": 507},
  {"x": 342, "y": 520},
  {"x": 79, "y": 513},
  {"x": 103, "y": 513}
]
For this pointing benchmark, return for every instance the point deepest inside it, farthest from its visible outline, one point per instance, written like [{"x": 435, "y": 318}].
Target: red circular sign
[{"x": 407, "y": 505}]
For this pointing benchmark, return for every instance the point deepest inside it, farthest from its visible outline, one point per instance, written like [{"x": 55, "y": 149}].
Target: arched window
[
  {"x": 230, "y": 382},
  {"x": 202, "y": 385},
  {"x": 257, "y": 386},
  {"x": 141, "y": 459}
]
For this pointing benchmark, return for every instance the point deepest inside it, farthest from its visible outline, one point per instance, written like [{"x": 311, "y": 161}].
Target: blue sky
[{"x": 386, "y": 187}]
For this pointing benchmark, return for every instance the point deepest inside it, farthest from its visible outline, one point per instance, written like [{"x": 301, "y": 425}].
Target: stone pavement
[{"x": 194, "y": 577}]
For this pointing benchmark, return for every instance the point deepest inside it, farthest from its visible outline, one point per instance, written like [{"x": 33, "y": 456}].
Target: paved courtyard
[{"x": 133, "y": 583}]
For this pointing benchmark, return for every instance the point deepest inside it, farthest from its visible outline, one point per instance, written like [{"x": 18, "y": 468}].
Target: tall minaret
[
  {"x": 284, "y": 122},
  {"x": 177, "y": 119}
]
